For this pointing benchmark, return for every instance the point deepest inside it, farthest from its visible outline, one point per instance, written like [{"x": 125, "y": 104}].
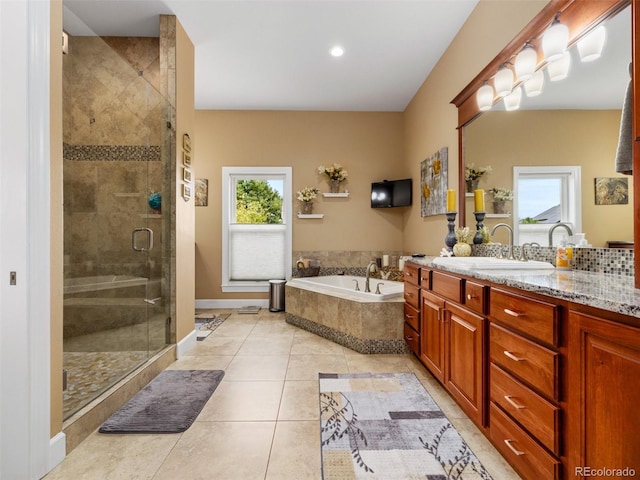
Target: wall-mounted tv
[{"x": 391, "y": 193}]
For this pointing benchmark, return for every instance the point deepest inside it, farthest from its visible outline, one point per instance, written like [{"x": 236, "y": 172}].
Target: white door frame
[{"x": 26, "y": 449}]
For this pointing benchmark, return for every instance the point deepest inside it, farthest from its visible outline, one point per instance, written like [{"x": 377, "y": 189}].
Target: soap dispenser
[{"x": 564, "y": 256}]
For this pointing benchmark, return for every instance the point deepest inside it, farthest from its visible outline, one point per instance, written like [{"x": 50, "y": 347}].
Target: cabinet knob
[
  {"x": 513, "y": 357},
  {"x": 508, "y": 441}
]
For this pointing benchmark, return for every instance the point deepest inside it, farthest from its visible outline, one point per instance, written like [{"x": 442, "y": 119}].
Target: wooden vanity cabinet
[
  {"x": 453, "y": 340},
  {"x": 603, "y": 394}
]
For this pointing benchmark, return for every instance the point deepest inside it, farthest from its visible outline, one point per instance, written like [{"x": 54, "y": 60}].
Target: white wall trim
[
  {"x": 231, "y": 303},
  {"x": 57, "y": 450},
  {"x": 186, "y": 344}
]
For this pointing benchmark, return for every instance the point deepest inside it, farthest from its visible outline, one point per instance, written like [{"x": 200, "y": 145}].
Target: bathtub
[
  {"x": 331, "y": 308},
  {"x": 344, "y": 286},
  {"x": 101, "y": 282}
]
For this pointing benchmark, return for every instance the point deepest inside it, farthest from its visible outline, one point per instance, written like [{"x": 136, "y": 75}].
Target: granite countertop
[{"x": 606, "y": 291}]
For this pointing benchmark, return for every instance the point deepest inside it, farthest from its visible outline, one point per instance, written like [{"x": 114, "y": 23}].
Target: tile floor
[{"x": 262, "y": 421}]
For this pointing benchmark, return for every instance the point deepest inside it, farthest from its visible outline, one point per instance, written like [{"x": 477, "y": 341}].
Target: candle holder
[
  {"x": 477, "y": 238},
  {"x": 450, "y": 238}
]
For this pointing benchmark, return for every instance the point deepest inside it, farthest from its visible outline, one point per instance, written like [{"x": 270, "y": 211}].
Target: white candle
[
  {"x": 385, "y": 260},
  {"x": 401, "y": 264}
]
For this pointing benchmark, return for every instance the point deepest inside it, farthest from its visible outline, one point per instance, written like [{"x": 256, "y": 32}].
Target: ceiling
[{"x": 274, "y": 55}]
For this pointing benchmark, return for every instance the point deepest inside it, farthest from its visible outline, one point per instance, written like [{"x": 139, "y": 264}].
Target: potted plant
[
  {"x": 307, "y": 195},
  {"x": 500, "y": 198},
  {"x": 472, "y": 175},
  {"x": 336, "y": 174},
  {"x": 464, "y": 237}
]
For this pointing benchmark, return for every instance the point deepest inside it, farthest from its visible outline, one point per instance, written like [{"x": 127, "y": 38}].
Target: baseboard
[
  {"x": 186, "y": 344},
  {"x": 57, "y": 450},
  {"x": 232, "y": 303}
]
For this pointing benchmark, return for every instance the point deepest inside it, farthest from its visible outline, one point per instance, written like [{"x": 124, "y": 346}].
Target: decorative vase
[
  {"x": 307, "y": 208},
  {"x": 334, "y": 186},
  {"x": 155, "y": 202},
  {"x": 499, "y": 207},
  {"x": 472, "y": 185},
  {"x": 462, "y": 249}
]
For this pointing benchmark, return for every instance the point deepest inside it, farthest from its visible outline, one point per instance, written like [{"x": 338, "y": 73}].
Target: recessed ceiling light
[{"x": 337, "y": 51}]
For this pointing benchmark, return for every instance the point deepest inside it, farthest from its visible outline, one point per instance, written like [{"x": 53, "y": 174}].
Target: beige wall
[
  {"x": 430, "y": 120},
  {"x": 368, "y": 145},
  {"x": 56, "y": 266},
  {"x": 557, "y": 137},
  {"x": 185, "y": 215}
]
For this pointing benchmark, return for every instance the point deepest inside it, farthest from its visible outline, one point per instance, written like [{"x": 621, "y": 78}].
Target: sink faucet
[
  {"x": 508, "y": 227},
  {"x": 563, "y": 225},
  {"x": 368, "y": 274}
]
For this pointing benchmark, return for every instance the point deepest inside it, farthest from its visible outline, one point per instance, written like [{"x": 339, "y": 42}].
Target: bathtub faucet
[{"x": 368, "y": 275}]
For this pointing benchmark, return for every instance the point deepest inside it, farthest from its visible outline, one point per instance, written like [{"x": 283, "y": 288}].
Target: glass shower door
[{"x": 116, "y": 192}]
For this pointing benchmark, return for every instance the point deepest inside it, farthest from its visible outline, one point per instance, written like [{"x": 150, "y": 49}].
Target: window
[
  {"x": 256, "y": 227},
  {"x": 544, "y": 196}
]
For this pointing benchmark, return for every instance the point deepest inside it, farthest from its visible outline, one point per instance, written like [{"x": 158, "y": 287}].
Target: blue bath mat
[{"x": 168, "y": 404}]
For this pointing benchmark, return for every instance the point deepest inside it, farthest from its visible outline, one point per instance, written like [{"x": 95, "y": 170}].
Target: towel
[{"x": 624, "y": 158}]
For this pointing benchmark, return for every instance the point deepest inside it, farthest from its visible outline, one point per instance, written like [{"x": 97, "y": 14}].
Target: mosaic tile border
[
  {"x": 111, "y": 153},
  {"x": 369, "y": 347},
  {"x": 616, "y": 261}
]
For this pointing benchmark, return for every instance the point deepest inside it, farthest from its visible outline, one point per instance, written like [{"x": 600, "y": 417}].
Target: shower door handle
[{"x": 134, "y": 236}]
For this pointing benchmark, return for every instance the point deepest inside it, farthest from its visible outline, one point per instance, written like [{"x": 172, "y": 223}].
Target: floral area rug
[
  {"x": 386, "y": 426},
  {"x": 206, "y": 323}
]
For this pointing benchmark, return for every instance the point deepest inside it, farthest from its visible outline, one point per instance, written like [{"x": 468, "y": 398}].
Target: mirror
[{"x": 574, "y": 122}]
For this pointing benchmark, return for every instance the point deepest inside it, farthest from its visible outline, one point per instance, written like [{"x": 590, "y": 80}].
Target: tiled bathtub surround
[
  {"x": 347, "y": 262},
  {"x": 366, "y": 327},
  {"x": 617, "y": 261}
]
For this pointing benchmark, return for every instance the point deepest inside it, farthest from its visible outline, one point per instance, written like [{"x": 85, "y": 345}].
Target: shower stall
[{"x": 117, "y": 212}]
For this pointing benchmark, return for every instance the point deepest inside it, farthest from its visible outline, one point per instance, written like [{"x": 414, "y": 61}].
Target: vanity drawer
[
  {"x": 412, "y": 317},
  {"x": 533, "y": 363},
  {"x": 475, "y": 297},
  {"x": 447, "y": 286},
  {"x": 412, "y": 295},
  {"x": 528, "y": 458},
  {"x": 425, "y": 278},
  {"x": 411, "y": 273},
  {"x": 412, "y": 338},
  {"x": 532, "y": 317},
  {"x": 540, "y": 417}
]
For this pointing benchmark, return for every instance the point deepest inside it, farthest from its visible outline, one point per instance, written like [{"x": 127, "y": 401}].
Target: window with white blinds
[{"x": 256, "y": 224}]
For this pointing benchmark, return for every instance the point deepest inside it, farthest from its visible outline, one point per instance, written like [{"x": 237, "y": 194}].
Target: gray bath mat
[{"x": 168, "y": 404}]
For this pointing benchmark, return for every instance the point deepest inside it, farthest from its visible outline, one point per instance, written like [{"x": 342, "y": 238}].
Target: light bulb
[
  {"x": 559, "y": 69},
  {"x": 525, "y": 63},
  {"x": 590, "y": 46},
  {"x": 555, "y": 40},
  {"x": 484, "y": 97},
  {"x": 503, "y": 81},
  {"x": 533, "y": 86},
  {"x": 512, "y": 101}
]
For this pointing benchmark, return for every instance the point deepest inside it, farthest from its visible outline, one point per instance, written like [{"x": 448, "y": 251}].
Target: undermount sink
[{"x": 491, "y": 263}]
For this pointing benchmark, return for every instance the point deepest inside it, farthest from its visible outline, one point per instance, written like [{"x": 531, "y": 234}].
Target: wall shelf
[
  {"x": 310, "y": 215},
  {"x": 336, "y": 195},
  {"x": 497, "y": 215}
]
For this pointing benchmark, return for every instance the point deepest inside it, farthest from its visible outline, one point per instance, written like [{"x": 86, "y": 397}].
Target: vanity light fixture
[
  {"x": 526, "y": 62},
  {"x": 590, "y": 46},
  {"x": 512, "y": 101},
  {"x": 533, "y": 86},
  {"x": 555, "y": 40},
  {"x": 337, "y": 51},
  {"x": 559, "y": 69},
  {"x": 503, "y": 81},
  {"x": 484, "y": 97}
]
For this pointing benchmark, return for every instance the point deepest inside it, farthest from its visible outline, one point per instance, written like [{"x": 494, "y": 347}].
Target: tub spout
[{"x": 368, "y": 275}]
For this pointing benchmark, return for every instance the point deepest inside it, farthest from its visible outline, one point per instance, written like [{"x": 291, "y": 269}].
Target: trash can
[{"x": 276, "y": 295}]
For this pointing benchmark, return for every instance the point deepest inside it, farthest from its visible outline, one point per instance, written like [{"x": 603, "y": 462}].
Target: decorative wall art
[
  {"x": 186, "y": 192},
  {"x": 186, "y": 159},
  {"x": 611, "y": 191},
  {"x": 434, "y": 183},
  {"x": 201, "y": 192},
  {"x": 186, "y": 174},
  {"x": 186, "y": 143}
]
